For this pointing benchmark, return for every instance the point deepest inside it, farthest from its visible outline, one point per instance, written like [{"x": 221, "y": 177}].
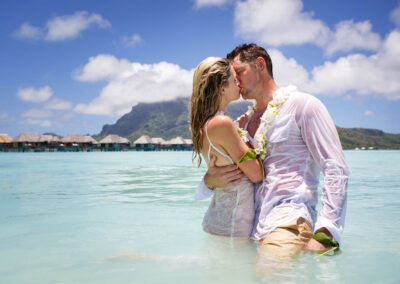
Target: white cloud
[
  {"x": 287, "y": 71},
  {"x": 129, "y": 83},
  {"x": 278, "y": 22},
  {"x": 350, "y": 35},
  {"x": 283, "y": 22},
  {"x": 70, "y": 26},
  {"x": 377, "y": 74},
  {"x": 37, "y": 113},
  {"x": 39, "y": 95},
  {"x": 62, "y": 27},
  {"x": 131, "y": 41},
  {"x": 355, "y": 74},
  {"x": 368, "y": 112},
  {"x": 209, "y": 3},
  {"x": 40, "y": 122},
  {"x": 103, "y": 67},
  {"x": 395, "y": 16},
  {"x": 58, "y": 104},
  {"x": 27, "y": 31}
]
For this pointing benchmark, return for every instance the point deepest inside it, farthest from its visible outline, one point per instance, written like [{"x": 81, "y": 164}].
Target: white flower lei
[{"x": 279, "y": 97}]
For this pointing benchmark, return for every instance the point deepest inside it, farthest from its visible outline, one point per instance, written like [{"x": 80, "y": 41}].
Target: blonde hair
[{"x": 210, "y": 75}]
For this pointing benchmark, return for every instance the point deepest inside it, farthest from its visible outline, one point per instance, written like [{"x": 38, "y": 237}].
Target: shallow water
[{"x": 130, "y": 217}]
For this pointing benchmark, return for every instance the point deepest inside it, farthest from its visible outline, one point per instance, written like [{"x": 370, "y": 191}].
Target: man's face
[{"x": 246, "y": 76}]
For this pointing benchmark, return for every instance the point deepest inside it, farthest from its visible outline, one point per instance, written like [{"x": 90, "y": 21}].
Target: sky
[{"x": 73, "y": 66}]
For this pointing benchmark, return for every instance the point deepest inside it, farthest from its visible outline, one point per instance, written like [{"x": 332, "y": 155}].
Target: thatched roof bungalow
[
  {"x": 157, "y": 142},
  {"x": 27, "y": 137},
  {"x": 114, "y": 139},
  {"x": 49, "y": 139},
  {"x": 144, "y": 142},
  {"x": 78, "y": 140},
  {"x": 4, "y": 138},
  {"x": 114, "y": 143}
]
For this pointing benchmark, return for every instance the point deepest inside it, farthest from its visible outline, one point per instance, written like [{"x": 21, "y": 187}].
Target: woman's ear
[{"x": 221, "y": 90}]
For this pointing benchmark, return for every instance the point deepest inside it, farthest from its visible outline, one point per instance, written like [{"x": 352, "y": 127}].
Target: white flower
[{"x": 266, "y": 120}]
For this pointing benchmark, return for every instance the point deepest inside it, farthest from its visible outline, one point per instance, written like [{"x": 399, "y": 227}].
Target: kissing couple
[{"x": 263, "y": 169}]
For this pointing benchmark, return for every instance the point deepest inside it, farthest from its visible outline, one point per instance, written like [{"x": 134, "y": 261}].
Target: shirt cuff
[
  {"x": 336, "y": 232},
  {"x": 202, "y": 191}
]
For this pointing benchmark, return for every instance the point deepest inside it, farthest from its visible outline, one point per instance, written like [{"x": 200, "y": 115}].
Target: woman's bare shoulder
[
  {"x": 220, "y": 121},
  {"x": 220, "y": 125}
]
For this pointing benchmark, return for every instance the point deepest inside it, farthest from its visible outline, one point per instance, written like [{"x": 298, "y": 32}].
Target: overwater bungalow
[
  {"x": 27, "y": 142},
  {"x": 5, "y": 142},
  {"x": 143, "y": 143},
  {"x": 49, "y": 142},
  {"x": 157, "y": 142},
  {"x": 78, "y": 142},
  {"x": 177, "y": 143},
  {"x": 114, "y": 143},
  {"x": 188, "y": 144}
]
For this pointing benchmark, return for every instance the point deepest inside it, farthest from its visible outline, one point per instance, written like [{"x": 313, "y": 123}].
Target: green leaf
[
  {"x": 248, "y": 156},
  {"x": 324, "y": 239},
  {"x": 329, "y": 252}
]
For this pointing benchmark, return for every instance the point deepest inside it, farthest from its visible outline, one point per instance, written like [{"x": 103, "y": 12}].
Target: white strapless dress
[{"x": 231, "y": 212}]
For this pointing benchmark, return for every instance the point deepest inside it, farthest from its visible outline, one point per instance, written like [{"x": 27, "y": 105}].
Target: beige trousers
[{"x": 287, "y": 240}]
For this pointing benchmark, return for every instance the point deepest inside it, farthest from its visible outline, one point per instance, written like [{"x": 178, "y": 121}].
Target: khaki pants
[{"x": 287, "y": 240}]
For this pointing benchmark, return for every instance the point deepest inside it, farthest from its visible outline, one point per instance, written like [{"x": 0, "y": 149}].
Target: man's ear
[{"x": 261, "y": 63}]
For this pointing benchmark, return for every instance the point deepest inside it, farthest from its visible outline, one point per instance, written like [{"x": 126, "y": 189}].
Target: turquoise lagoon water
[{"x": 130, "y": 217}]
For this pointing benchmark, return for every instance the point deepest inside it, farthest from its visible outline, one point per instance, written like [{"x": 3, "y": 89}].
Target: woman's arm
[{"x": 224, "y": 136}]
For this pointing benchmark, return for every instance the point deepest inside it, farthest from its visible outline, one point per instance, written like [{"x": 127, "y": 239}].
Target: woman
[{"x": 231, "y": 212}]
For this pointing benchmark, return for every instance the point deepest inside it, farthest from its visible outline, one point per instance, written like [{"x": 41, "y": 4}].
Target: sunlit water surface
[{"x": 131, "y": 218}]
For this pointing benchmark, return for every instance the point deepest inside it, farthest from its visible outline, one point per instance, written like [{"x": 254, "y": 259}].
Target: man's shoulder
[{"x": 300, "y": 97}]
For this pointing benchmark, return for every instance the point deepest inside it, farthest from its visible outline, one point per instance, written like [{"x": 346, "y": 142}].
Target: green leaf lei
[{"x": 326, "y": 240}]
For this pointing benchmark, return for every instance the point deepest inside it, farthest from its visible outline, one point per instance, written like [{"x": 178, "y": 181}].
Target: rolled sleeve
[
  {"x": 202, "y": 191},
  {"x": 321, "y": 137}
]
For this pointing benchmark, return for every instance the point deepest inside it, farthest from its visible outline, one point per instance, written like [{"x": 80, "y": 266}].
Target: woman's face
[{"x": 231, "y": 91}]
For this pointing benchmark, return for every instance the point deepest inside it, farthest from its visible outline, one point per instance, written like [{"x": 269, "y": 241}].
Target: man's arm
[
  {"x": 217, "y": 177},
  {"x": 321, "y": 137}
]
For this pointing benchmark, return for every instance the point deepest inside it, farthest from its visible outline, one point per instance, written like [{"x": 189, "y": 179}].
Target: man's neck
[{"x": 266, "y": 95}]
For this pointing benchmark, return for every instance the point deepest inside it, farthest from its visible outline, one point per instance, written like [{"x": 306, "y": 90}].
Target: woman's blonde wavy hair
[{"x": 210, "y": 75}]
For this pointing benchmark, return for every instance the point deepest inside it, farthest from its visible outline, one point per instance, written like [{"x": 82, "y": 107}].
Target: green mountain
[{"x": 170, "y": 119}]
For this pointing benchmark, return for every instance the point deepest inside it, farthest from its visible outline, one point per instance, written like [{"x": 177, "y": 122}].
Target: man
[{"x": 301, "y": 140}]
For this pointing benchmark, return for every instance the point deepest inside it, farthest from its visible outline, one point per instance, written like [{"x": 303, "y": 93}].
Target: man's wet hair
[{"x": 249, "y": 53}]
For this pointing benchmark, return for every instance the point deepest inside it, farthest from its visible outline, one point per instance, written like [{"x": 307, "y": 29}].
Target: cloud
[
  {"x": 129, "y": 83},
  {"x": 40, "y": 122},
  {"x": 283, "y": 22},
  {"x": 377, "y": 74},
  {"x": 350, "y": 35},
  {"x": 37, "y": 113},
  {"x": 131, "y": 41},
  {"x": 27, "y": 31},
  {"x": 58, "y": 104},
  {"x": 62, "y": 27},
  {"x": 355, "y": 74},
  {"x": 278, "y": 23},
  {"x": 287, "y": 71},
  {"x": 39, "y": 95},
  {"x": 70, "y": 26},
  {"x": 209, "y": 3},
  {"x": 368, "y": 112},
  {"x": 395, "y": 16}
]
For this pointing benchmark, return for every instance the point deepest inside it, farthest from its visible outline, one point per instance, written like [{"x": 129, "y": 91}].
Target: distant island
[{"x": 171, "y": 118}]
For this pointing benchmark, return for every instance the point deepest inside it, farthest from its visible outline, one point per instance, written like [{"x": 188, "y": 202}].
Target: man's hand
[
  {"x": 221, "y": 176},
  {"x": 242, "y": 120},
  {"x": 314, "y": 246}
]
